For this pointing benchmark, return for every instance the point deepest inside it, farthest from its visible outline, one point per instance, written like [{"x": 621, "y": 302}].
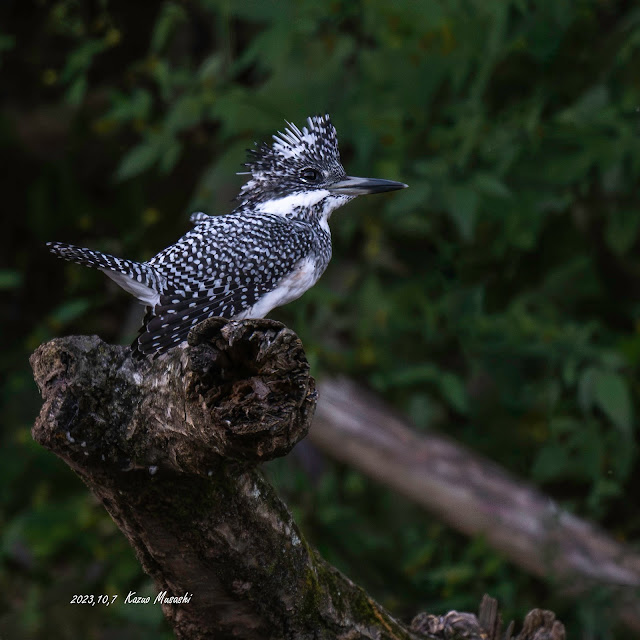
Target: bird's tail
[
  {"x": 95, "y": 259},
  {"x": 138, "y": 278}
]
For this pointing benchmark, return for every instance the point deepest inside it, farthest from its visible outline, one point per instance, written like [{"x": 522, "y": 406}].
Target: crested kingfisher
[{"x": 268, "y": 251}]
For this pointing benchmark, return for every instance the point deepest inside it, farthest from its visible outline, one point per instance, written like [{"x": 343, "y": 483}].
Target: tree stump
[{"x": 171, "y": 448}]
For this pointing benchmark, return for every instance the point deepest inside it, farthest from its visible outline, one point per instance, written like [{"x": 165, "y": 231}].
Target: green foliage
[{"x": 497, "y": 298}]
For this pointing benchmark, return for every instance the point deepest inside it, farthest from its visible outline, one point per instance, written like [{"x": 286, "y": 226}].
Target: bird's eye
[{"x": 310, "y": 175}]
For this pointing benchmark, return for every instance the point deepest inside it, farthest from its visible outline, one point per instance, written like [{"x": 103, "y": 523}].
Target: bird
[{"x": 268, "y": 251}]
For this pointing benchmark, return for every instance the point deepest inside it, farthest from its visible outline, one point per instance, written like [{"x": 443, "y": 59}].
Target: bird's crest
[
  {"x": 270, "y": 166},
  {"x": 319, "y": 139}
]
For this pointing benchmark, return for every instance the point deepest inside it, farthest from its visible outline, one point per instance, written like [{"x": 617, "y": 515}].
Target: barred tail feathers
[{"x": 138, "y": 278}]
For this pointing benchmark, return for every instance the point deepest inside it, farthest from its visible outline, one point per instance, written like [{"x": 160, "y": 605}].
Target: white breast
[{"x": 303, "y": 277}]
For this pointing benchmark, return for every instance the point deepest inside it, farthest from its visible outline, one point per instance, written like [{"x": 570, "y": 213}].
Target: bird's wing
[
  {"x": 244, "y": 270},
  {"x": 176, "y": 315}
]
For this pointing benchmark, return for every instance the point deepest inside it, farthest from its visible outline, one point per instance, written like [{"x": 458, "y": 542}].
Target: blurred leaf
[
  {"x": 589, "y": 105},
  {"x": 74, "y": 73},
  {"x": 170, "y": 156},
  {"x": 454, "y": 392},
  {"x": 552, "y": 462},
  {"x": 170, "y": 17},
  {"x": 622, "y": 230},
  {"x": 185, "y": 112},
  {"x": 10, "y": 279},
  {"x": 447, "y": 383},
  {"x": 611, "y": 394},
  {"x": 69, "y": 311},
  {"x": 76, "y": 92},
  {"x": 491, "y": 185},
  {"x": 607, "y": 390},
  {"x": 7, "y": 42},
  {"x": 462, "y": 205},
  {"x": 210, "y": 67},
  {"x": 140, "y": 158},
  {"x": 130, "y": 107}
]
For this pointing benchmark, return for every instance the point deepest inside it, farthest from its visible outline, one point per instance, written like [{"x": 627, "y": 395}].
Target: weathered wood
[
  {"x": 170, "y": 447},
  {"x": 476, "y": 497},
  {"x": 185, "y": 412}
]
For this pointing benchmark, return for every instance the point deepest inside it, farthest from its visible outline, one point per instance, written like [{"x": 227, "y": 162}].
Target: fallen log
[{"x": 477, "y": 497}]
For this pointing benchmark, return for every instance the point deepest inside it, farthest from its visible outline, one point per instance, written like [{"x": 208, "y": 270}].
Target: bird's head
[{"x": 301, "y": 171}]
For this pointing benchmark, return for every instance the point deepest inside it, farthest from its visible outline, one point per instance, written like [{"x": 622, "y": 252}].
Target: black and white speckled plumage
[{"x": 267, "y": 252}]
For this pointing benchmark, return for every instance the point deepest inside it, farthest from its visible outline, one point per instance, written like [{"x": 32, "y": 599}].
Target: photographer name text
[{"x": 132, "y": 598}]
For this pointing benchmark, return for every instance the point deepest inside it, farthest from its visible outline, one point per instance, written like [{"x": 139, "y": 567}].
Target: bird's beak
[{"x": 351, "y": 186}]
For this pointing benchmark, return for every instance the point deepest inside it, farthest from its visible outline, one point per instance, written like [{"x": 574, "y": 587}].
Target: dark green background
[{"x": 496, "y": 300}]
